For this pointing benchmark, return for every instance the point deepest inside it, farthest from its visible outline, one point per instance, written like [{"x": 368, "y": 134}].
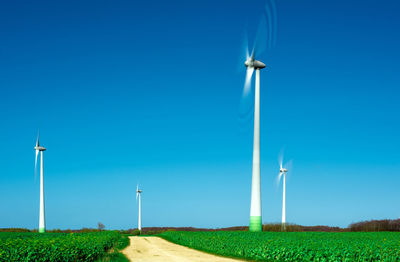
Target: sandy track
[{"x": 143, "y": 249}]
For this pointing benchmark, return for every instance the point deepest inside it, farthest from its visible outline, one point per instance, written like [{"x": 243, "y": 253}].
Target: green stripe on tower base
[
  {"x": 42, "y": 230},
  {"x": 255, "y": 224}
]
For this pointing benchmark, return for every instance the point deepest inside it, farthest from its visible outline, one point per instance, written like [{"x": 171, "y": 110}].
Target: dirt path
[{"x": 154, "y": 249}]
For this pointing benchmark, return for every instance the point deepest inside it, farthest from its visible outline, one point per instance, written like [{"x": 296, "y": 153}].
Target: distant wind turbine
[
  {"x": 282, "y": 172},
  {"x": 138, "y": 195},
  {"x": 38, "y": 148}
]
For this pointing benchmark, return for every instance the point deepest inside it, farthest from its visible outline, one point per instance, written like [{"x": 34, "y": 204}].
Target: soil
[{"x": 155, "y": 249}]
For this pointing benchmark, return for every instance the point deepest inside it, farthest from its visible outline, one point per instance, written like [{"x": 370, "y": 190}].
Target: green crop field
[
  {"x": 57, "y": 246},
  {"x": 294, "y": 246}
]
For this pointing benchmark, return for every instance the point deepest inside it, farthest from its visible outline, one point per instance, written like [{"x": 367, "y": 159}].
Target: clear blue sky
[{"x": 150, "y": 92}]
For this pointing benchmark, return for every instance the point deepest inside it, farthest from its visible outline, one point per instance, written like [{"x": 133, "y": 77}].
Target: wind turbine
[
  {"x": 138, "y": 194},
  {"x": 265, "y": 38},
  {"x": 282, "y": 172},
  {"x": 255, "y": 206},
  {"x": 41, "y": 149}
]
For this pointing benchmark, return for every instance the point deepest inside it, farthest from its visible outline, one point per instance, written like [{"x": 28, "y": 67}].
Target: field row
[
  {"x": 56, "y": 246},
  {"x": 294, "y": 246}
]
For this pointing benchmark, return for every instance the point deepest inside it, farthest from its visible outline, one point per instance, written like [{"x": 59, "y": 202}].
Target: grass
[{"x": 294, "y": 246}]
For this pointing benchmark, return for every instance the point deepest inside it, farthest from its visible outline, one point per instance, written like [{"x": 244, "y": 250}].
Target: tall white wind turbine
[
  {"x": 282, "y": 173},
  {"x": 138, "y": 195},
  {"x": 264, "y": 38},
  {"x": 255, "y": 207},
  {"x": 38, "y": 148}
]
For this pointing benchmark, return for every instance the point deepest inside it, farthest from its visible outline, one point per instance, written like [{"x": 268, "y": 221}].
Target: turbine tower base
[
  {"x": 42, "y": 230},
  {"x": 255, "y": 224}
]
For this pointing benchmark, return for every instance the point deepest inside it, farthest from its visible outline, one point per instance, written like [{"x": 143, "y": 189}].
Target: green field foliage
[
  {"x": 294, "y": 246},
  {"x": 57, "y": 246},
  {"x": 115, "y": 255}
]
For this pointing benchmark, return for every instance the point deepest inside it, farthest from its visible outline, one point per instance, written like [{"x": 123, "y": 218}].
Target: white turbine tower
[
  {"x": 282, "y": 172},
  {"x": 264, "y": 38},
  {"x": 38, "y": 148},
  {"x": 138, "y": 195},
  {"x": 255, "y": 206}
]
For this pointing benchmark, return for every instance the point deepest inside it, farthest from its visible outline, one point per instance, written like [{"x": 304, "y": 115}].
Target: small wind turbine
[
  {"x": 138, "y": 195},
  {"x": 282, "y": 172},
  {"x": 38, "y": 148}
]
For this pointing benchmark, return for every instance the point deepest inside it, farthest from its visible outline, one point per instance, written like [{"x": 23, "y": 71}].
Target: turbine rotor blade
[
  {"x": 247, "y": 48},
  {"x": 36, "y": 157},
  {"x": 289, "y": 165},
  {"x": 280, "y": 159},
  {"x": 260, "y": 43},
  {"x": 249, "y": 74},
  {"x": 278, "y": 179},
  {"x": 37, "y": 139},
  {"x": 37, "y": 152},
  {"x": 253, "y": 53}
]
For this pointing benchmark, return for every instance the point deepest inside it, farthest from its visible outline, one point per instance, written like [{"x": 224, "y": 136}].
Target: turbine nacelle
[
  {"x": 251, "y": 62},
  {"x": 283, "y": 170},
  {"x": 138, "y": 192},
  {"x": 40, "y": 148}
]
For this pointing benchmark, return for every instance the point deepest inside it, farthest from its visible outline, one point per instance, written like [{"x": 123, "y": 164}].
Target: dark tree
[{"x": 100, "y": 226}]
